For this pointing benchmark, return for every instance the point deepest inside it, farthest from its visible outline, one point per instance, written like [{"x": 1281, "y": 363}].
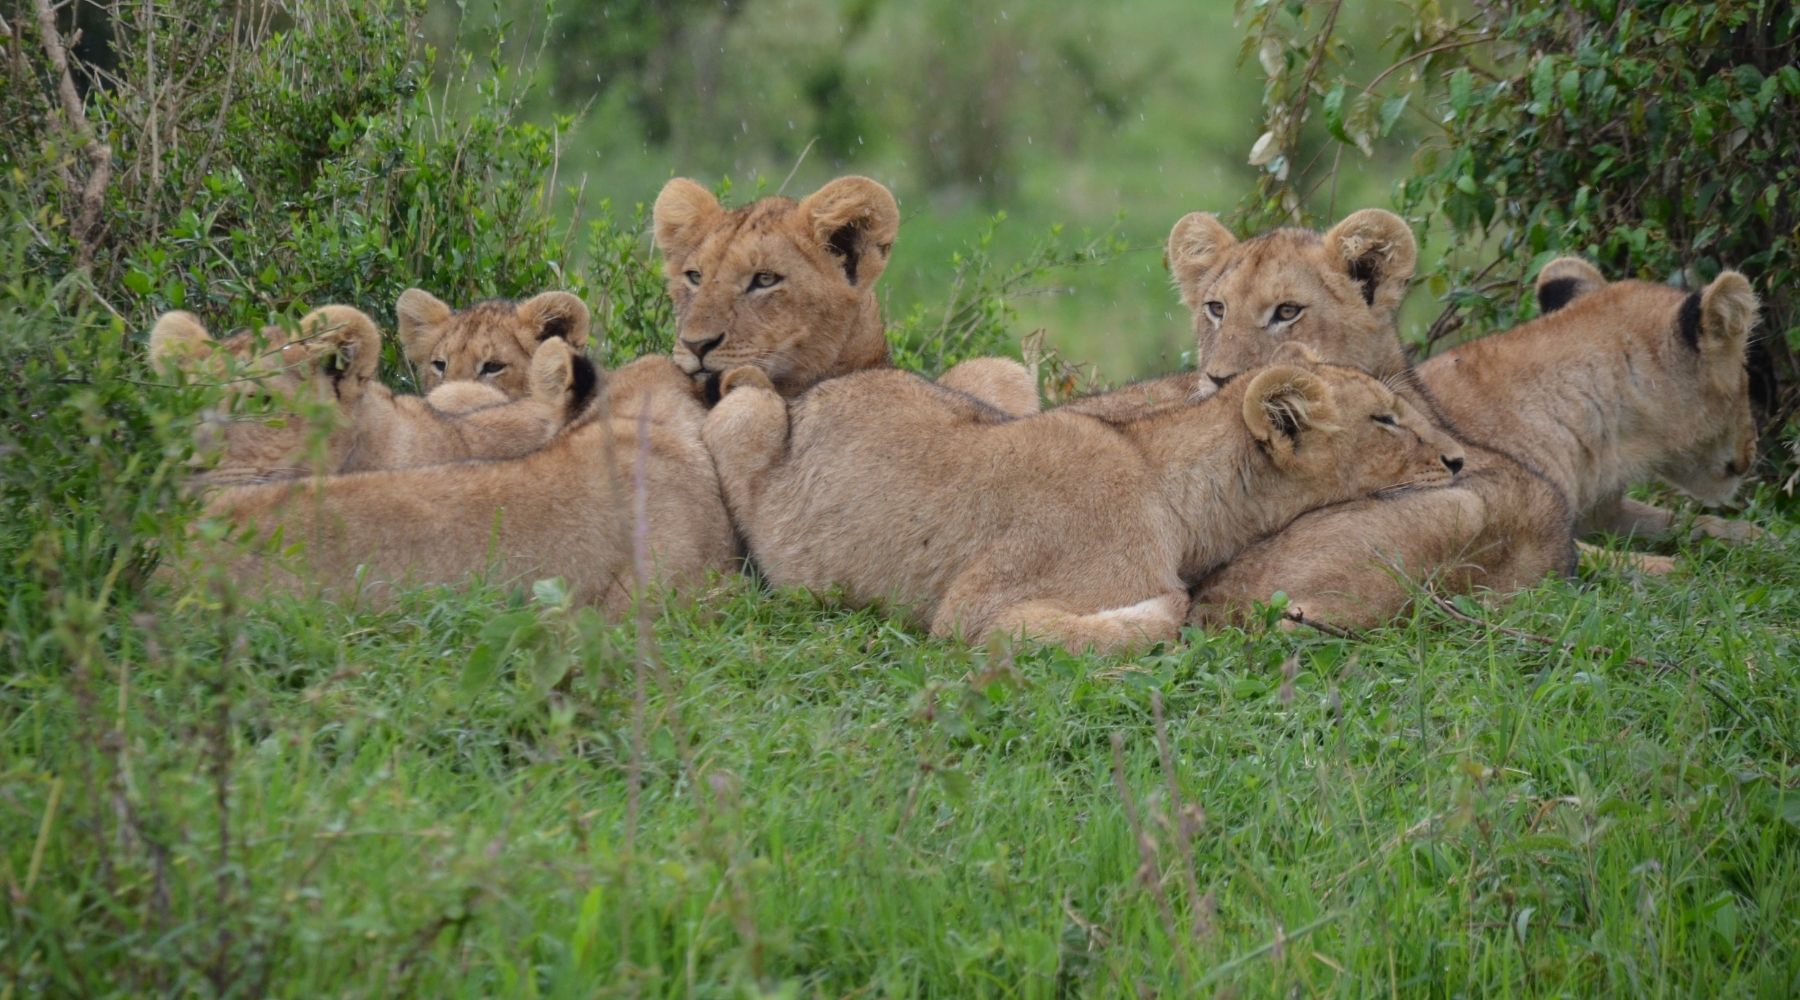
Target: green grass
[
  {"x": 436, "y": 800},
  {"x": 1591, "y": 789}
]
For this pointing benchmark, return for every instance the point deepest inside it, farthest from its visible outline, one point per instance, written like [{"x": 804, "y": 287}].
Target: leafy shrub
[{"x": 1655, "y": 138}]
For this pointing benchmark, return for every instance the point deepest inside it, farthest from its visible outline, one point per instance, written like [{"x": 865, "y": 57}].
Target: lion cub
[
  {"x": 1629, "y": 381},
  {"x": 566, "y": 510},
  {"x": 312, "y": 404},
  {"x": 489, "y": 343},
  {"x": 1062, "y": 526}
]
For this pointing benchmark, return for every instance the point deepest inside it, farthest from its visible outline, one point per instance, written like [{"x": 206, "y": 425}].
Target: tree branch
[{"x": 99, "y": 155}]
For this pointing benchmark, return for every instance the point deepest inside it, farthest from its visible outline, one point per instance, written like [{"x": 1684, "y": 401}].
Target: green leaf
[
  {"x": 1543, "y": 86},
  {"x": 1462, "y": 88},
  {"x": 1701, "y": 126},
  {"x": 479, "y": 669},
  {"x": 138, "y": 282},
  {"x": 1790, "y": 80},
  {"x": 1391, "y": 110},
  {"x": 1333, "y": 107},
  {"x": 1570, "y": 87},
  {"x": 1466, "y": 184}
]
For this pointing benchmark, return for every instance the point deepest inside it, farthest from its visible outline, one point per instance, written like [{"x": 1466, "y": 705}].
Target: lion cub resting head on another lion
[
  {"x": 566, "y": 510},
  {"x": 1064, "y": 526},
  {"x": 1627, "y": 381},
  {"x": 489, "y": 343},
  {"x": 312, "y": 404}
]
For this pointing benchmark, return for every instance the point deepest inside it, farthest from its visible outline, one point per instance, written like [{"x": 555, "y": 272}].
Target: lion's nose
[
  {"x": 699, "y": 347},
  {"x": 1452, "y": 462}
]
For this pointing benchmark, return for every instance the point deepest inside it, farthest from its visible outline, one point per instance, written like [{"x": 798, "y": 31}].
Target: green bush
[{"x": 1655, "y": 138}]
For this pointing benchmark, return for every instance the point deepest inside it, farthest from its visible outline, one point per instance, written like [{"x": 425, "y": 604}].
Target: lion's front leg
[
  {"x": 979, "y": 604},
  {"x": 747, "y": 435},
  {"x": 1634, "y": 518},
  {"x": 1113, "y": 630}
]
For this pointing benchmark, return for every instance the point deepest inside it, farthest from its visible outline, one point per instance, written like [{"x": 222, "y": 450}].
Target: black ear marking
[
  {"x": 1556, "y": 293},
  {"x": 1688, "y": 321},
  {"x": 1765, "y": 390},
  {"x": 843, "y": 244},
  {"x": 554, "y": 326},
  {"x": 584, "y": 379},
  {"x": 1366, "y": 272}
]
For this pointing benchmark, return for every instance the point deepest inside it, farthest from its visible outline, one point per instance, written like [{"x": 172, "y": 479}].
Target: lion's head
[
  {"x": 785, "y": 286},
  {"x": 309, "y": 402},
  {"x": 1686, "y": 351},
  {"x": 284, "y": 392},
  {"x": 1336, "y": 293},
  {"x": 490, "y": 342}
]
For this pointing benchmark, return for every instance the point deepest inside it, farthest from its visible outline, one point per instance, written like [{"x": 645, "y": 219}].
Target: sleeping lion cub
[
  {"x": 1062, "y": 526},
  {"x": 312, "y": 404}
]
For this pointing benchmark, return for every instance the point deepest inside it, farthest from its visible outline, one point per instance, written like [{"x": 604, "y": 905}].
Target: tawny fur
[
  {"x": 566, "y": 510},
  {"x": 1600, "y": 394},
  {"x": 490, "y": 342},
  {"x": 1060, "y": 526},
  {"x": 787, "y": 287},
  {"x": 313, "y": 404}
]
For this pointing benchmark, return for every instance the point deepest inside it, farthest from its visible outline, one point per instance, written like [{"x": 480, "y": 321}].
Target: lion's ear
[
  {"x": 856, "y": 219},
  {"x": 1284, "y": 403},
  {"x": 1717, "y": 320},
  {"x": 179, "y": 342},
  {"x": 1194, "y": 252},
  {"x": 562, "y": 377},
  {"x": 1378, "y": 252},
  {"x": 346, "y": 342},
  {"x": 553, "y": 316},
  {"x": 1564, "y": 280},
  {"x": 421, "y": 316},
  {"x": 684, "y": 213}
]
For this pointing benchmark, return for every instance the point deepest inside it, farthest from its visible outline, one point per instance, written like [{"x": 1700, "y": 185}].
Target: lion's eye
[
  {"x": 693, "y": 277},
  {"x": 1386, "y": 419},
  {"x": 492, "y": 367},
  {"x": 764, "y": 279},
  {"x": 1215, "y": 309},
  {"x": 1287, "y": 312},
  {"x": 438, "y": 366}
]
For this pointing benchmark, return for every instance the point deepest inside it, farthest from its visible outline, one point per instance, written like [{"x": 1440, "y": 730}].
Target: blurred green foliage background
[{"x": 1090, "y": 120}]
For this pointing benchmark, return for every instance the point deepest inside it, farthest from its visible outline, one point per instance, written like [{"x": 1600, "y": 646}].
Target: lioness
[
  {"x": 1062, "y": 526},
  {"x": 313, "y": 404},
  {"x": 1627, "y": 382},
  {"x": 489, "y": 342},
  {"x": 564, "y": 510},
  {"x": 787, "y": 287}
]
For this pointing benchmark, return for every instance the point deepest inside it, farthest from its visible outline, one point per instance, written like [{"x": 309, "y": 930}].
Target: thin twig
[
  {"x": 796, "y": 168},
  {"x": 98, "y": 153},
  {"x": 1336, "y": 631}
]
